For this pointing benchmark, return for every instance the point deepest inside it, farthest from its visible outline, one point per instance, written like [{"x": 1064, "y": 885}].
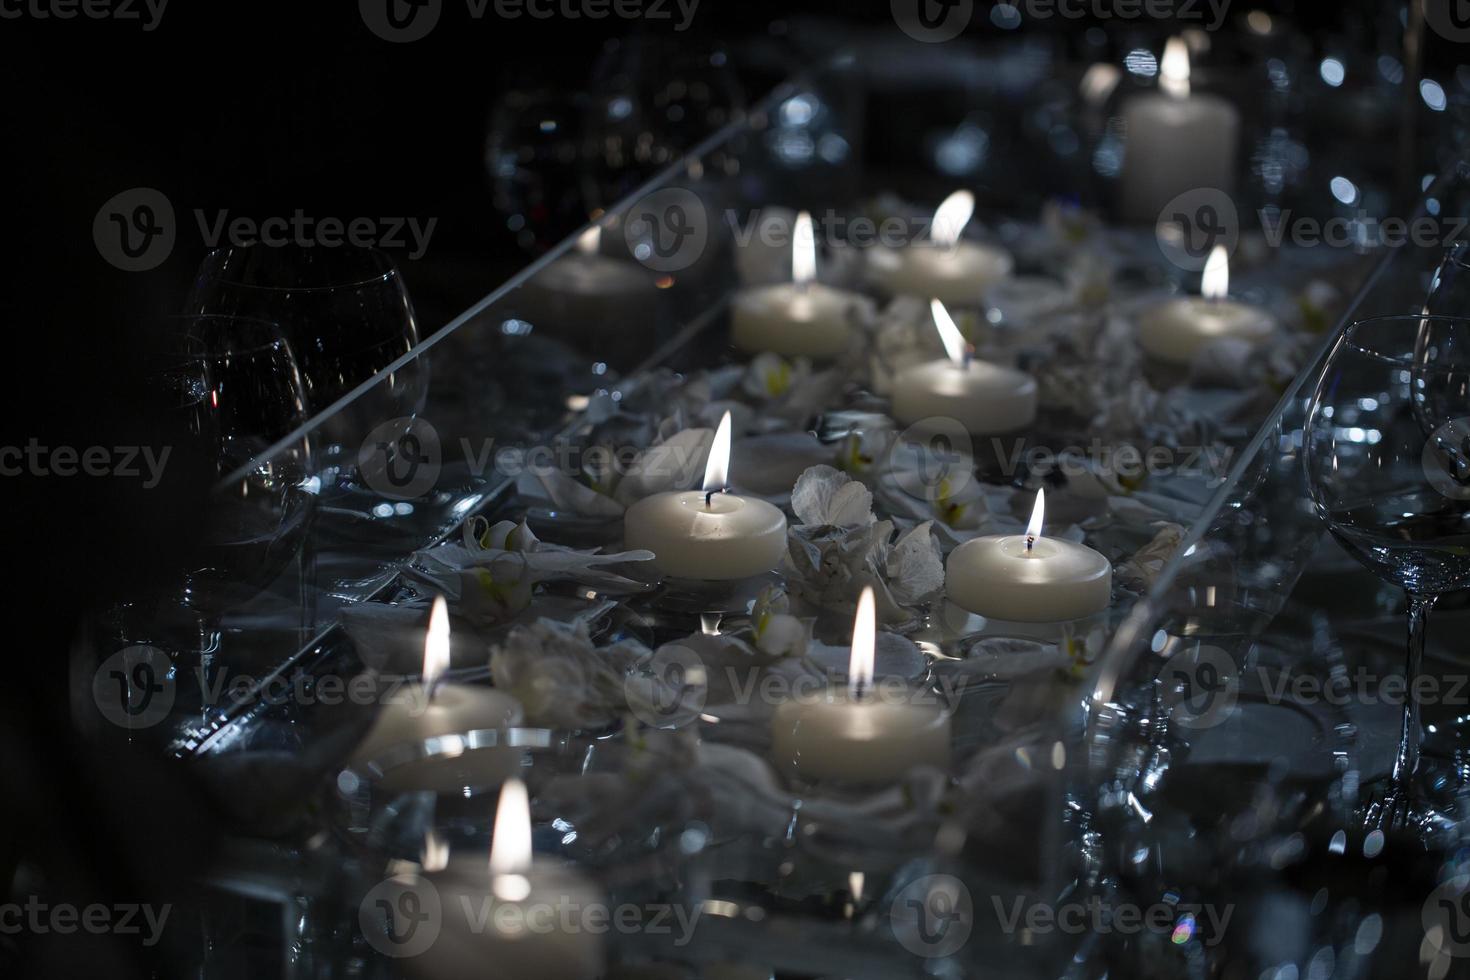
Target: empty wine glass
[{"x": 1388, "y": 469}]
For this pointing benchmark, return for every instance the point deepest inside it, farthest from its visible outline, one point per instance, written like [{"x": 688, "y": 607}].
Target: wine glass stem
[{"x": 1408, "y": 757}]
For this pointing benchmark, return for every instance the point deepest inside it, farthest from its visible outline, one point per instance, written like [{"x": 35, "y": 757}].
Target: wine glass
[
  {"x": 1388, "y": 470},
  {"x": 344, "y": 311}
]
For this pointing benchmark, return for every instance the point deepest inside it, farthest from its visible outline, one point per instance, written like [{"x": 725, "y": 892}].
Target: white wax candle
[
  {"x": 427, "y": 709},
  {"x": 1176, "y": 142},
  {"x": 707, "y": 534},
  {"x": 1027, "y": 578},
  {"x": 851, "y": 736},
  {"x": 802, "y": 318},
  {"x": 796, "y": 320},
  {"x": 515, "y": 918},
  {"x": 1174, "y": 331},
  {"x": 985, "y": 398},
  {"x": 942, "y": 267}
]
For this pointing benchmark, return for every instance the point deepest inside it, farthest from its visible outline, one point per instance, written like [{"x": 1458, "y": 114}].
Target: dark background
[{"x": 259, "y": 108}]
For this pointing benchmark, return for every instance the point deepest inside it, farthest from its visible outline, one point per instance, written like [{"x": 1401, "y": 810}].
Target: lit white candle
[
  {"x": 1026, "y": 578},
  {"x": 1177, "y": 142},
  {"x": 1173, "y": 332},
  {"x": 431, "y": 707},
  {"x": 710, "y": 533},
  {"x": 985, "y": 398},
  {"x": 954, "y": 271},
  {"x": 518, "y": 918},
  {"x": 851, "y": 735},
  {"x": 802, "y": 318}
]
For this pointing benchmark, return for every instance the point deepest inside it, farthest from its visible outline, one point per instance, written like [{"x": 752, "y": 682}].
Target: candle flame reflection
[
  {"x": 590, "y": 240},
  {"x": 954, "y": 341},
  {"x": 510, "y": 848},
  {"x": 864, "y": 640},
  {"x": 717, "y": 470},
  {"x": 1215, "y": 282},
  {"x": 803, "y": 250},
  {"x": 436, "y": 645},
  {"x": 1038, "y": 518},
  {"x": 951, "y": 217},
  {"x": 1174, "y": 68}
]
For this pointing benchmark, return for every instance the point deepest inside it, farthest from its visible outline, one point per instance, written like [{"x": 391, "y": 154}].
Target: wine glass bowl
[{"x": 1387, "y": 459}]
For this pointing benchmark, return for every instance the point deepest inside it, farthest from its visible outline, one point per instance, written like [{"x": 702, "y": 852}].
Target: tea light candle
[
  {"x": 802, "y": 318},
  {"x": 851, "y": 736},
  {"x": 708, "y": 534},
  {"x": 985, "y": 398},
  {"x": 956, "y": 272},
  {"x": 517, "y": 919},
  {"x": 1173, "y": 332},
  {"x": 1177, "y": 142},
  {"x": 431, "y": 708},
  {"x": 1026, "y": 578}
]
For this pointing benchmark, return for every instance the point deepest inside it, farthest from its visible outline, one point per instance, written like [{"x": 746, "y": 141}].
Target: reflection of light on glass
[
  {"x": 1390, "y": 69},
  {"x": 515, "y": 328},
  {"x": 832, "y": 148},
  {"x": 962, "y": 151},
  {"x": 1433, "y": 94},
  {"x": 1098, "y": 82},
  {"x": 1332, "y": 71},
  {"x": 1005, "y": 16},
  {"x": 797, "y": 110},
  {"x": 1344, "y": 190},
  {"x": 620, "y": 107},
  {"x": 1141, "y": 61},
  {"x": 1259, "y": 22}
]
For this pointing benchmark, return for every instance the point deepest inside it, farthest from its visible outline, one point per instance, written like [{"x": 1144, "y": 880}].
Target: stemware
[
  {"x": 344, "y": 311},
  {"x": 1388, "y": 470}
]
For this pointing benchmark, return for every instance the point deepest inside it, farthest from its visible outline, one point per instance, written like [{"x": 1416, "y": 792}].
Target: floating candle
[
  {"x": 1027, "y": 578},
  {"x": 1173, "y": 332},
  {"x": 586, "y": 295},
  {"x": 985, "y": 398},
  {"x": 851, "y": 735},
  {"x": 711, "y": 533},
  {"x": 954, "y": 271},
  {"x": 431, "y": 707},
  {"x": 802, "y": 318}
]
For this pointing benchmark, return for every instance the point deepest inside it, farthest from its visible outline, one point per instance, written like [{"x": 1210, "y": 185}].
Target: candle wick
[
  {"x": 1030, "y": 542},
  {"x": 709, "y": 495},
  {"x": 969, "y": 356}
]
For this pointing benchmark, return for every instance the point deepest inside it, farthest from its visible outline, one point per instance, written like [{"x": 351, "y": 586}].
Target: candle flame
[
  {"x": 436, "y": 644},
  {"x": 864, "y": 642},
  {"x": 1038, "y": 518},
  {"x": 717, "y": 470},
  {"x": 590, "y": 240},
  {"x": 1174, "y": 68},
  {"x": 1215, "y": 283},
  {"x": 435, "y": 853},
  {"x": 510, "y": 848},
  {"x": 954, "y": 341},
  {"x": 951, "y": 217},
  {"x": 803, "y": 250}
]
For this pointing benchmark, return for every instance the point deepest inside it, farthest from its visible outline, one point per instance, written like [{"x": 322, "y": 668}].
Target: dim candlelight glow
[
  {"x": 1038, "y": 518},
  {"x": 951, "y": 217},
  {"x": 864, "y": 641},
  {"x": 1215, "y": 283},
  {"x": 803, "y": 251},
  {"x": 510, "y": 850},
  {"x": 1174, "y": 68},
  {"x": 717, "y": 470},
  {"x": 954, "y": 341},
  {"x": 435, "y": 853},
  {"x": 436, "y": 645},
  {"x": 590, "y": 240}
]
